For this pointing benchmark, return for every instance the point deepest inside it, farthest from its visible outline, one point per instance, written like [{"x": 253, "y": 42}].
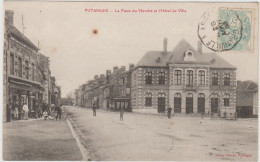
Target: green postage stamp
[{"x": 228, "y": 29}]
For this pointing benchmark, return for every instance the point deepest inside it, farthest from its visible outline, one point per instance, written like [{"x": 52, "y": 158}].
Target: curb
[{"x": 81, "y": 147}]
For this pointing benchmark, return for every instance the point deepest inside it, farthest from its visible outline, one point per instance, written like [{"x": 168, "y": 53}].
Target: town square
[{"x": 130, "y": 81}]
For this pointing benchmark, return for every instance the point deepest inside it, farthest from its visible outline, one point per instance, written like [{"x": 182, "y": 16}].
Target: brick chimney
[
  {"x": 108, "y": 72},
  {"x": 102, "y": 76},
  {"x": 9, "y": 17},
  {"x": 122, "y": 69},
  {"x": 95, "y": 77},
  {"x": 131, "y": 66},
  {"x": 200, "y": 47},
  {"x": 115, "y": 69},
  {"x": 165, "y": 42}
]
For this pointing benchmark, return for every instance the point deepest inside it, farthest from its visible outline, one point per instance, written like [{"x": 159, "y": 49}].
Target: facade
[
  {"x": 247, "y": 99},
  {"x": 25, "y": 71},
  {"x": 186, "y": 80},
  {"x": 120, "y": 89}
]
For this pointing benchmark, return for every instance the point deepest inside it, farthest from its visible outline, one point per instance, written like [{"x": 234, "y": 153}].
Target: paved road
[
  {"x": 39, "y": 140},
  {"x": 147, "y": 137}
]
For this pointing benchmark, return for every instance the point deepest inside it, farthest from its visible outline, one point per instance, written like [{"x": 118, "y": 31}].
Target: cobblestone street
[{"x": 147, "y": 137}]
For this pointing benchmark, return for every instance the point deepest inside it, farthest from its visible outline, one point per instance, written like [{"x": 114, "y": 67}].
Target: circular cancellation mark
[{"x": 220, "y": 29}]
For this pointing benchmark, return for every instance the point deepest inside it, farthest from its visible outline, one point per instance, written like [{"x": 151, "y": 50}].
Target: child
[
  {"x": 16, "y": 113},
  {"x": 45, "y": 115}
]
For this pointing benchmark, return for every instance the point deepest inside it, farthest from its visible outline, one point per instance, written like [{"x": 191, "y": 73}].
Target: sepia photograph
[{"x": 130, "y": 81}]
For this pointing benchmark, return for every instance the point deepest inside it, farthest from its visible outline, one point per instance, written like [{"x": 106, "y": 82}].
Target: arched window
[
  {"x": 201, "y": 95},
  {"x": 214, "y": 103},
  {"x": 177, "y": 77},
  {"x": 177, "y": 95},
  {"x": 226, "y": 99},
  {"x": 227, "y": 79},
  {"x": 148, "y": 99},
  {"x": 148, "y": 78},
  {"x": 189, "y": 77},
  {"x": 161, "y": 78},
  {"x": 189, "y": 95},
  {"x": 201, "y": 78},
  {"x": 161, "y": 95}
]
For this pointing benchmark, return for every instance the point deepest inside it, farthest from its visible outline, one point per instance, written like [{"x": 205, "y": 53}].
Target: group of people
[{"x": 23, "y": 112}]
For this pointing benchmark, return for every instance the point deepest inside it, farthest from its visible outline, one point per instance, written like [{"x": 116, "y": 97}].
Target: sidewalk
[{"x": 39, "y": 140}]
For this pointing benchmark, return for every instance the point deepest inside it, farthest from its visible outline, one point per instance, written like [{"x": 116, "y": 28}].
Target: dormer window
[{"x": 188, "y": 56}]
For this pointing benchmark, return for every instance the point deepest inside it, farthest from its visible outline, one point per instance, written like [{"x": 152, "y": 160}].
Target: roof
[
  {"x": 149, "y": 59},
  {"x": 214, "y": 60},
  {"x": 248, "y": 86},
  {"x": 13, "y": 30}
]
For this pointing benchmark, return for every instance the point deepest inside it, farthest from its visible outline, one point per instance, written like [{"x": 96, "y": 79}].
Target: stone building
[
  {"x": 187, "y": 80},
  {"x": 26, "y": 74},
  {"x": 120, "y": 89}
]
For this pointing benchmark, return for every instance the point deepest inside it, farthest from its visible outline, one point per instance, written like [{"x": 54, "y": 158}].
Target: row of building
[
  {"x": 26, "y": 71},
  {"x": 185, "y": 79}
]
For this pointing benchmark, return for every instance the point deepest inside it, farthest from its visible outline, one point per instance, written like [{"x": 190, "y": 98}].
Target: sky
[{"x": 64, "y": 31}]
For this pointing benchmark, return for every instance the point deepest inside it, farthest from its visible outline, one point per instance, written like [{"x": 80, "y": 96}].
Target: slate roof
[
  {"x": 20, "y": 36},
  {"x": 247, "y": 86},
  {"x": 214, "y": 60},
  {"x": 149, "y": 59},
  {"x": 177, "y": 57}
]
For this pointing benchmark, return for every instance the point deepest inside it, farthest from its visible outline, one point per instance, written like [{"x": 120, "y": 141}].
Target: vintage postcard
[{"x": 130, "y": 81}]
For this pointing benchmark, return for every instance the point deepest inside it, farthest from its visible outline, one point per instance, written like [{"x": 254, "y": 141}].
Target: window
[
  {"x": 33, "y": 72},
  {"x": 20, "y": 67},
  {"x": 189, "y": 77},
  {"x": 148, "y": 78},
  {"x": 27, "y": 69},
  {"x": 161, "y": 78},
  {"x": 177, "y": 103},
  {"x": 226, "y": 100},
  {"x": 148, "y": 99},
  {"x": 12, "y": 64},
  {"x": 123, "y": 80},
  {"x": 177, "y": 77},
  {"x": 227, "y": 79},
  {"x": 201, "y": 77},
  {"x": 122, "y": 91},
  {"x": 215, "y": 79}
]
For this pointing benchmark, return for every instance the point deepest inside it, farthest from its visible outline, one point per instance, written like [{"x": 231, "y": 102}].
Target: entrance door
[
  {"x": 214, "y": 105},
  {"x": 201, "y": 103},
  {"x": 189, "y": 103},
  {"x": 177, "y": 103},
  {"x": 161, "y": 104}
]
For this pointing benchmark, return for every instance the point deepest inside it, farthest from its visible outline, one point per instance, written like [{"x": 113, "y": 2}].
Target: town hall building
[{"x": 186, "y": 79}]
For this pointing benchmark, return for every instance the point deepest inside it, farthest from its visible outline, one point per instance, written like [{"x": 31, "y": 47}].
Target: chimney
[
  {"x": 108, "y": 72},
  {"x": 165, "y": 41},
  {"x": 131, "y": 66},
  {"x": 200, "y": 47},
  {"x": 95, "y": 77},
  {"x": 122, "y": 69},
  {"x": 102, "y": 76},
  {"x": 9, "y": 17},
  {"x": 115, "y": 69}
]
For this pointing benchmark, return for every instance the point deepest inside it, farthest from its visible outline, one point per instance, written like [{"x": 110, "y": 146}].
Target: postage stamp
[{"x": 227, "y": 29}]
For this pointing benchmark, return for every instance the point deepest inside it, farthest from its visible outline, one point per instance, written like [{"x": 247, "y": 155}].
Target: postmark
[{"x": 220, "y": 30}]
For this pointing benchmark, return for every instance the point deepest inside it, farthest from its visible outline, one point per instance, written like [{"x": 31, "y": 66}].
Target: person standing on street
[
  {"x": 169, "y": 112},
  {"x": 16, "y": 112},
  {"x": 94, "y": 108},
  {"x": 58, "y": 110},
  {"x": 26, "y": 110},
  {"x": 122, "y": 113}
]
